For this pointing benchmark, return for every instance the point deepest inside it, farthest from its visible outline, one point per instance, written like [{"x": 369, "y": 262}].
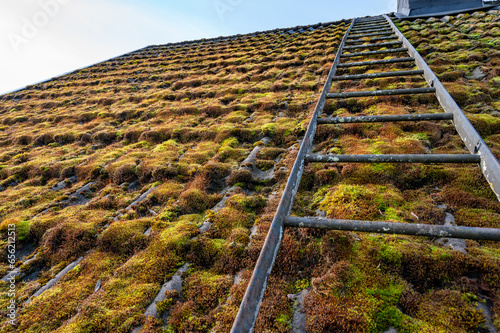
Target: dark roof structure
[
  {"x": 141, "y": 189},
  {"x": 422, "y": 7},
  {"x": 428, "y": 8}
]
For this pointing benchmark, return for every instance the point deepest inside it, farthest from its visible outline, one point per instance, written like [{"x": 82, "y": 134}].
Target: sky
[{"x": 41, "y": 39}]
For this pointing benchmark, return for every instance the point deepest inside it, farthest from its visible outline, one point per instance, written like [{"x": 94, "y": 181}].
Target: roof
[{"x": 176, "y": 154}]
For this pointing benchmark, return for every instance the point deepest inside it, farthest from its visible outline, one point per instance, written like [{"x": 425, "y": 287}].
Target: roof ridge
[{"x": 290, "y": 30}]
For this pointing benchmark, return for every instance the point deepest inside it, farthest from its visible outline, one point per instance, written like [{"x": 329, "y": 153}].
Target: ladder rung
[
  {"x": 396, "y": 158},
  {"x": 370, "y": 22},
  {"x": 376, "y": 28},
  {"x": 394, "y": 228},
  {"x": 371, "y": 25},
  {"x": 362, "y": 46},
  {"x": 376, "y": 62},
  {"x": 358, "y": 54},
  {"x": 386, "y": 118},
  {"x": 379, "y": 30},
  {"x": 380, "y": 18},
  {"x": 373, "y": 34},
  {"x": 352, "y": 41},
  {"x": 369, "y": 19},
  {"x": 374, "y": 25},
  {"x": 388, "y": 92},
  {"x": 377, "y": 75}
]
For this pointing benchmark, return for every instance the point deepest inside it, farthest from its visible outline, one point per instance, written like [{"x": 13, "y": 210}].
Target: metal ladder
[{"x": 382, "y": 33}]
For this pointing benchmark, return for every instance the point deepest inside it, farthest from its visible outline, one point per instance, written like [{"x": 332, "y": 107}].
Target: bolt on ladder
[{"x": 381, "y": 33}]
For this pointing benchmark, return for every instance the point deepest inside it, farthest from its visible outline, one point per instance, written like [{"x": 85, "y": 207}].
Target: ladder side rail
[
  {"x": 250, "y": 305},
  {"x": 476, "y": 145}
]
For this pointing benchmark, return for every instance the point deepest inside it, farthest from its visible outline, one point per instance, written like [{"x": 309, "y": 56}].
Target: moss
[
  {"x": 23, "y": 230},
  {"x": 485, "y": 124},
  {"x": 171, "y": 296},
  {"x": 246, "y": 203},
  {"x": 325, "y": 310},
  {"x": 390, "y": 256},
  {"x": 124, "y": 238},
  {"x": 196, "y": 201},
  {"x": 264, "y": 165},
  {"x": 167, "y": 191},
  {"x": 240, "y": 177},
  {"x": 125, "y": 174},
  {"x": 203, "y": 291},
  {"x": 202, "y": 252},
  {"x": 187, "y": 142},
  {"x": 479, "y": 218},
  {"x": 227, "y": 219},
  {"x": 67, "y": 240},
  {"x": 301, "y": 285},
  {"x": 357, "y": 202},
  {"x": 327, "y": 177},
  {"x": 387, "y": 314},
  {"x": 448, "y": 308},
  {"x": 270, "y": 153},
  {"x": 105, "y": 137}
]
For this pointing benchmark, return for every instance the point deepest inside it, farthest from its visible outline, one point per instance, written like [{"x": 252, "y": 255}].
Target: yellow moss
[{"x": 358, "y": 202}]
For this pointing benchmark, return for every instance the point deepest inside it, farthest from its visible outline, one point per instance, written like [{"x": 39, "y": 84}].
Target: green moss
[
  {"x": 227, "y": 219},
  {"x": 196, "y": 201},
  {"x": 194, "y": 219},
  {"x": 228, "y": 150},
  {"x": 269, "y": 129},
  {"x": 207, "y": 290},
  {"x": 23, "y": 230},
  {"x": 387, "y": 314},
  {"x": 171, "y": 298},
  {"x": 390, "y": 255},
  {"x": 168, "y": 214},
  {"x": 284, "y": 321},
  {"x": 124, "y": 238},
  {"x": 300, "y": 285},
  {"x": 125, "y": 123},
  {"x": 485, "y": 124},
  {"x": 355, "y": 201},
  {"x": 246, "y": 203},
  {"x": 167, "y": 145}
]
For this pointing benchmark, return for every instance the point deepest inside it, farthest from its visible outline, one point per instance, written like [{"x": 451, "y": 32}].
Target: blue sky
[{"x": 41, "y": 39}]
